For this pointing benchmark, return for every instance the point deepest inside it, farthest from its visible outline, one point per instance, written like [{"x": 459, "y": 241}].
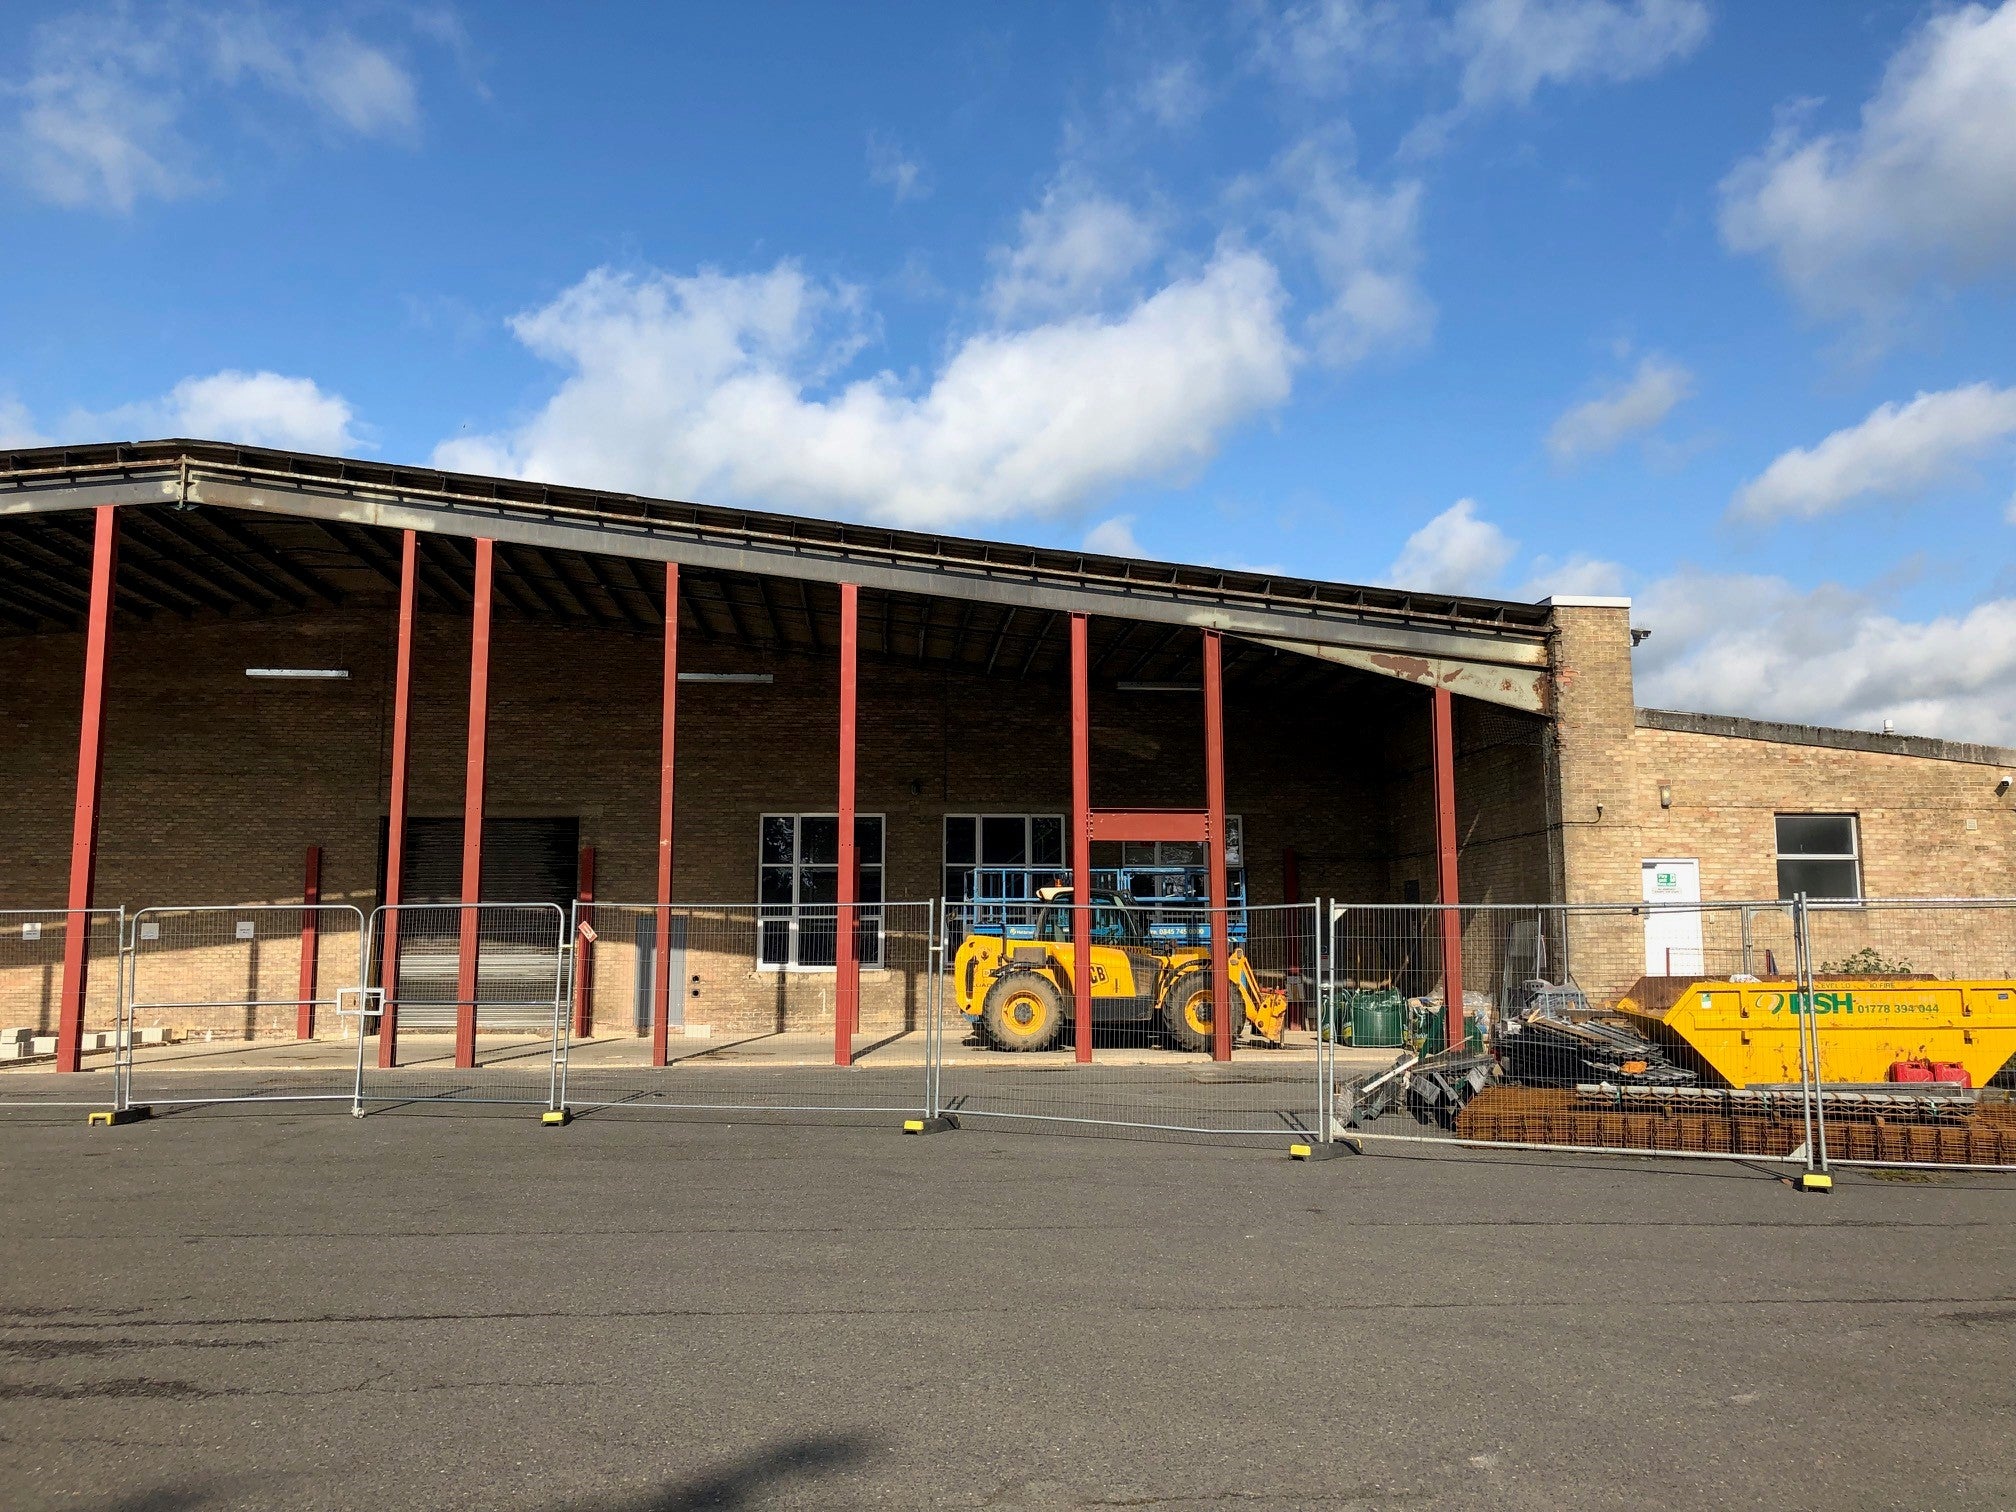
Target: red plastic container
[{"x": 1930, "y": 1071}]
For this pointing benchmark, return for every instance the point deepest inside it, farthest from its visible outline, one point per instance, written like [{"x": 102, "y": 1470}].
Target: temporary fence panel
[
  {"x": 514, "y": 1016},
  {"x": 1914, "y": 999},
  {"x": 33, "y": 942},
  {"x": 752, "y": 994},
  {"x": 1012, "y": 1048},
  {"x": 1582, "y": 1028},
  {"x": 237, "y": 1003}
]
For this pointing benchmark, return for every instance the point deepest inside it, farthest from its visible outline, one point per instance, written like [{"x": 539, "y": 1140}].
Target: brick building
[{"x": 1374, "y": 746}]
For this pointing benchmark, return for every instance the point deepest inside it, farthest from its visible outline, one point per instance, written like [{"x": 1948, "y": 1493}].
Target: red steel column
[
  {"x": 472, "y": 810},
  {"x": 584, "y": 949},
  {"x": 1442, "y": 739},
  {"x": 846, "y": 960},
  {"x": 1214, "y": 820},
  {"x": 311, "y": 894},
  {"x": 90, "y": 775},
  {"x": 395, "y": 819},
  {"x": 1081, "y": 837},
  {"x": 661, "y": 960}
]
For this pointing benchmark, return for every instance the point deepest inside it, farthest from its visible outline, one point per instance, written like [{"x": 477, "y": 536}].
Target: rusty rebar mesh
[{"x": 1966, "y": 1134}]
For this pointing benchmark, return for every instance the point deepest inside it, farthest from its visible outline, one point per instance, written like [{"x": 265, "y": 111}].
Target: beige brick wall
[
  {"x": 215, "y": 784},
  {"x": 1929, "y": 826}
]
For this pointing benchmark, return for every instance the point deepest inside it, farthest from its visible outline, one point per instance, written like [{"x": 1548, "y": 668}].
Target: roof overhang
[{"x": 1479, "y": 648}]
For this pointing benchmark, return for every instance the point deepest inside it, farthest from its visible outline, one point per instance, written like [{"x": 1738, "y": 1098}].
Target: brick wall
[
  {"x": 216, "y": 783},
  {"x": 1930, "y": 821}
]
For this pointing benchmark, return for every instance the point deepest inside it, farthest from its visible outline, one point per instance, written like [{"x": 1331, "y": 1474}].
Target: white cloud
[
  {"x": 1923, "y": 188},
  {"x": 1576, "y": 574},
  {"x": 17, "y": 426},
  {"x": 1639, "y": 404},
  {"x": 1323, "y": 45},
  {"x": 1754, "y": 645},
  {"x": 1897, "y": 452},
  {"x": 891, "y": 168},
  {"x": 1172, "y": 95},
  {"x": 1114, "y": 537},
  {"x": 108, "y": 95},
  {"x": 252, "y": 409},
  {"x": 1456, "y": 552},
  {"x": 720, "y": 387},
  {"x": 1504, "y": 51},
  {"x": 1077, "y": 246},
  {"x": 1363, "y": 243},
  {"x": 1510, "y": 48}
]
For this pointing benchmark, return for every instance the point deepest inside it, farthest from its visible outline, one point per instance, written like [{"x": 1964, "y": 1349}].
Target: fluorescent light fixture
[
  {"x": 321, "y": 673},
  {"x": 1159, "y": 687},
  {"x": 729, "y": 677}
]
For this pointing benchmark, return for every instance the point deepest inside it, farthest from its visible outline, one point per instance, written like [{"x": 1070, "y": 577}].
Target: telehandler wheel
[
  {"x": 1187, "y": 1010},
  {"x": 1023, "y": 1011}
]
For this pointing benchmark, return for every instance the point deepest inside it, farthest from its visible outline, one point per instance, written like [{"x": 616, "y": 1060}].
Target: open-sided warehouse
[{"x": 237, "y": 678}]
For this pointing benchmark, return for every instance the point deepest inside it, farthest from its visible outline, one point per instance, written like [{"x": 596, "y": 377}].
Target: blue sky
[{"x": 1707, "y": 304}]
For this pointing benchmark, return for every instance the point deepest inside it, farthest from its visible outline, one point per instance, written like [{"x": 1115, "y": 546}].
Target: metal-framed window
[
  {"x": 1821, "y": 856},
  {"x": 1186, "y": 852},
  {"x": 798, "y": 891},
  {"x": 1002, "y": 849}
]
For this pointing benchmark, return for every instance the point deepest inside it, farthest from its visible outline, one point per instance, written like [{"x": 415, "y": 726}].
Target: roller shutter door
[{"x": 524, "y": 861}]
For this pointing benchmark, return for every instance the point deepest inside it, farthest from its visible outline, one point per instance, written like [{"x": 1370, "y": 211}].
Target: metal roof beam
[
  {"x": 201, "y": 560},
  {"x": 309, "y": 579},
  {"x": 1006, "y": 584}
]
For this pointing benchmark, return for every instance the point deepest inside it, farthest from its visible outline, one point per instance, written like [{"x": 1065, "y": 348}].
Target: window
[
  {"x": 799, "y": 890},
  {"x": 1185, "y": 852},
  {"x": 994, "y": 855},
  {"x": 1818, "y": 855}
]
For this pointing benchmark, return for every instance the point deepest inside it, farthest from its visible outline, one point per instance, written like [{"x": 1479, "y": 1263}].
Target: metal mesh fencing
[
  {"x": 469, "y": 1003},
  {"x": 748, "y": 1021},
  {"x": 239, "y": 1003},
  {"x": 1641, "y": 1028},
  {"x": 1154, "y": 1056},
  {"x": 33, "y": 944},
  {"x": 1911, "y": 1011}
]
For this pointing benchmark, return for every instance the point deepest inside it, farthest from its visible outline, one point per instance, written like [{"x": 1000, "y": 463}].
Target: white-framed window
[
  {"x": 798, "y": 889},
  {"x": 994, "y": 855},
  {"x": 1819, "y": 855}
]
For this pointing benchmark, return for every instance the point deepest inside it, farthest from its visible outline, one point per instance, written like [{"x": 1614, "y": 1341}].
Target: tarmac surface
[{"x": 454, "y": 1307}]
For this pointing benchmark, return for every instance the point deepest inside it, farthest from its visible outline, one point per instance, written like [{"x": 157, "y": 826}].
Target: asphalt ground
[{"x": 454, "y": 1307}]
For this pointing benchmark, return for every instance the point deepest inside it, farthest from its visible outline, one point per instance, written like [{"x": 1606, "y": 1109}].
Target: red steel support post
[
  {"x": 584, "y": 949},
  {"x": 1214, "y": 819},
  {"x": 311, "y": 894},
  {"x": 1442, "y": 738},
  {"x": 1081, "y": 837},
  {"x": 846, "y": 957},
  {"x": 90, "y": 775},
  {"x": 395, "y": 812},
  {"x": 661, "y": 960},
  {"x": 466, "y": 983}
]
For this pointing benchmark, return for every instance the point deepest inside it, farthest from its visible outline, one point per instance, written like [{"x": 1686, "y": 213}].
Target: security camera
[{"x": 2001, "y": 786}]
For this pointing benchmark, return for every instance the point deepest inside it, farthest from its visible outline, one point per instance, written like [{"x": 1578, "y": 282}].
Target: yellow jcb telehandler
[{"x": 1019, "y": 992}]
